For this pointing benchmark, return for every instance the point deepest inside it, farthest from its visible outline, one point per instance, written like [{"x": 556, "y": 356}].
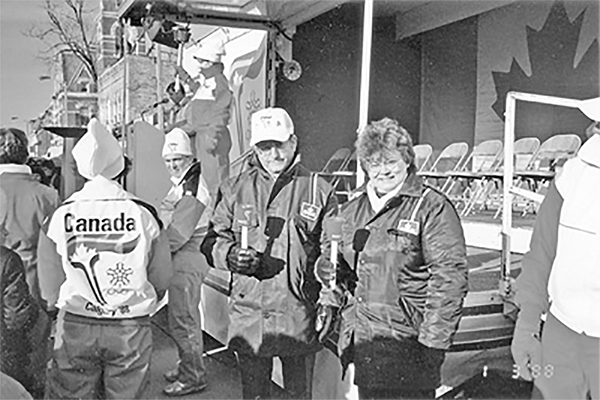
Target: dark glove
[
  {"x": 243, "y": 261},
  {"x": 346, "y": 276},
  {"x": 324, "y": 322},
  {"x": 526, "y": 349},
  {"x": 268, "y": 267}
]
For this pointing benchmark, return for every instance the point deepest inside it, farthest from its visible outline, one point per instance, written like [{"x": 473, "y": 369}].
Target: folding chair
[
  {"x": 422, "y": 155},
  {"x": 340, "y": 171},
  {"x": 524, "y": 150},
  {"x": 484, "y": 157},
  {"x": 336, "y": 161},
  {"x": 450, "y": 159},
  {"x": 550, "y": 157},
  {"x": 551, "y": 154}
]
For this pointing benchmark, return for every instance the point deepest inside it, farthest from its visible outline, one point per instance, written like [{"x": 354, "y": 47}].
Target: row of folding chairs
[{"x": 473, "y": 180}]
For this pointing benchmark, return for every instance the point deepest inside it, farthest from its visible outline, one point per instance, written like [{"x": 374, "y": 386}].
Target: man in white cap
[
  {"x": 207, "y": 113},
  {"x": 181, "y": 212},
  {"x": 560, "y": 279},
  {"x": 104, "y": 262},
  {"x": 266, "y": 230}
]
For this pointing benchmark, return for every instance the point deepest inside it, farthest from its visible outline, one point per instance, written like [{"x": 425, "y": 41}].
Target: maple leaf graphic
[
  {"x": 552, "y": 52},
  {"x": 84, "y": 255}
]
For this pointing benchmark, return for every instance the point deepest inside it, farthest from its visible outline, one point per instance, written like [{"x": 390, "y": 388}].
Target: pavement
[{"x": 222, "y": 374}]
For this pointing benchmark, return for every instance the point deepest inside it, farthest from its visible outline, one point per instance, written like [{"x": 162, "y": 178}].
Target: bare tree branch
[{"x": 69, "y": 27}]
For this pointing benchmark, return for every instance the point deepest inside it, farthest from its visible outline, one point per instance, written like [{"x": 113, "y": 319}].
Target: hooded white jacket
[
  {"x": 574, "y": 283},
  {"x": 102, "y": 248}
]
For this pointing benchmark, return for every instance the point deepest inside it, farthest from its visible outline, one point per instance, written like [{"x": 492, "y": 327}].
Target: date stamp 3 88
[{"x": 536, "y": 370}]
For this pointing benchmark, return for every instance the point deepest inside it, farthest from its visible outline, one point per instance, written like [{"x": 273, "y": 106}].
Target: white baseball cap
[
  {"x": 208, "y": 51},
  {"x": 591, "y": 108},
  {"x": 271, "y": 124},
  {"x": 177, "y": 142},
  {"x": 98, "y": 153}
]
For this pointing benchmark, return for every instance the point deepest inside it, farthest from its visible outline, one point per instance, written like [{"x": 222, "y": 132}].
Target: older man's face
[
  {"x": 276, "y": 156},
  {"x": 177, "y": 164}
]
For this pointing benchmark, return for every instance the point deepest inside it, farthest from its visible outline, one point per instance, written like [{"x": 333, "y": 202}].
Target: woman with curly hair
[{"x": 403, "y": 252}]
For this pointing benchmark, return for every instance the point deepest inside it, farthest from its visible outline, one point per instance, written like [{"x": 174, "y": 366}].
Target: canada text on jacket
[{"x": 92, "y": 224}]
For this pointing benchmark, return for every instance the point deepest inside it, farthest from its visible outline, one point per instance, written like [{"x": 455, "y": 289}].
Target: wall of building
[
  {"x": 549, "y": 48},
  {"x": 142, "y": 90},
  {"x": 324, "y": 102},
  {"x": 449, "y": 83}
]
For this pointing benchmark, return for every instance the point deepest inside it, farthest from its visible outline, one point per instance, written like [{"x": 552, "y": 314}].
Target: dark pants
[
  {"x": 100, "y": 359},
  {"x": 256, "y": 376},
  {"x": 185, "y": 325},
  {"x": 366, "y": 393}
]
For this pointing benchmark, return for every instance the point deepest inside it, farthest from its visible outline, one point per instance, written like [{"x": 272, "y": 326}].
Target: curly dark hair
[
  {"x": 385, "y": 136},
  {"x": 13, "y": 146}
]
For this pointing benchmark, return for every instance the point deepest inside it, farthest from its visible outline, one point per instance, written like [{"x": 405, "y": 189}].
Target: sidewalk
[{"x": 223, "y": 377}]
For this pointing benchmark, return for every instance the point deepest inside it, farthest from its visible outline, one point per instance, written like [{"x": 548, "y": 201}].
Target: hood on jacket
[
  {"x": 98, "y": 153},
  {"x": 590, "y": 151}
]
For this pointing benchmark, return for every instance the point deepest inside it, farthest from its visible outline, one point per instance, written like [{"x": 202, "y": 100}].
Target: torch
[
  {"x": 245, "y": 223},
  {"x": 334, "y": 229}
]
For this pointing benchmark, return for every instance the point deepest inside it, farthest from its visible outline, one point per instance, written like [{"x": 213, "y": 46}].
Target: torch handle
[
  {"x": 333, "y": 258},
  {"x": 244, "y": 237}
]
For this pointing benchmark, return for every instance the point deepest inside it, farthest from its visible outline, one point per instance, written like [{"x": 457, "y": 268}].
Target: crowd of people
[{"x": 384, "y": 274}]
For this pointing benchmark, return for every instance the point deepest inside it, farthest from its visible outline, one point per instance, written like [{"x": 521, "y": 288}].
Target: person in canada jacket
[
  {"x": 403, "y": 253},
  {"x": 277, "y": 206},
  {"x": 104, "y": 262}
]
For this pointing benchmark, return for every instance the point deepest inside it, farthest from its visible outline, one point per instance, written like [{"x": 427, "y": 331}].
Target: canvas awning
[{"x": 254, "y": 14}]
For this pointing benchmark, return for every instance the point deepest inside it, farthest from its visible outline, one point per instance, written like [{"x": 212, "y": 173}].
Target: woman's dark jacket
[
  {"x": 412, "y": 279},
  {"x": 19, "y": 313}
]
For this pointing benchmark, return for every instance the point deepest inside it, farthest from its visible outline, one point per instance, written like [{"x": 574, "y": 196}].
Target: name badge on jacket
[
  {"x": 310, "y": 211},
  {"x": 408, "y": 226}
]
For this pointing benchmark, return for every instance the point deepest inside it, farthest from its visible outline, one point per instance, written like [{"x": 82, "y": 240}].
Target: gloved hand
[
  {"x": 268, "y": 267},
  {"x": 330, "y": 301},
  {"x": 324, "y": 321},
  {"x": 183, "y": 75},
  {"x": 325, "y": 271},
  {"x": 526, "y": 349},
  {"x": 346, "y": 277},
  {"x": 242, "y": 261}
]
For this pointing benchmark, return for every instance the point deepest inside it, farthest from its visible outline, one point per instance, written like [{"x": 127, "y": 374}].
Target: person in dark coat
[
  {"x": 402, "y": 272},
  {"x": 278, "y": 206},
  {"x": 21, "y": 315},
  {"x": 104, "y": 262}
]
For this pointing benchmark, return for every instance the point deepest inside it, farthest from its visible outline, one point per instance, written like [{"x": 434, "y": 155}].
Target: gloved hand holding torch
[{"x": 331, "y": 296}]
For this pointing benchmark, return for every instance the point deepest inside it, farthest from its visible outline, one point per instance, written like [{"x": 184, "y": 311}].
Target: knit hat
[
  {"x": 98, "y": 153},
  {"x": 208, "y": 51},
  {"x": 591, "y": 108},
  {"x": 271, "y": 124},
  {"x": 177, "y": 142}
]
